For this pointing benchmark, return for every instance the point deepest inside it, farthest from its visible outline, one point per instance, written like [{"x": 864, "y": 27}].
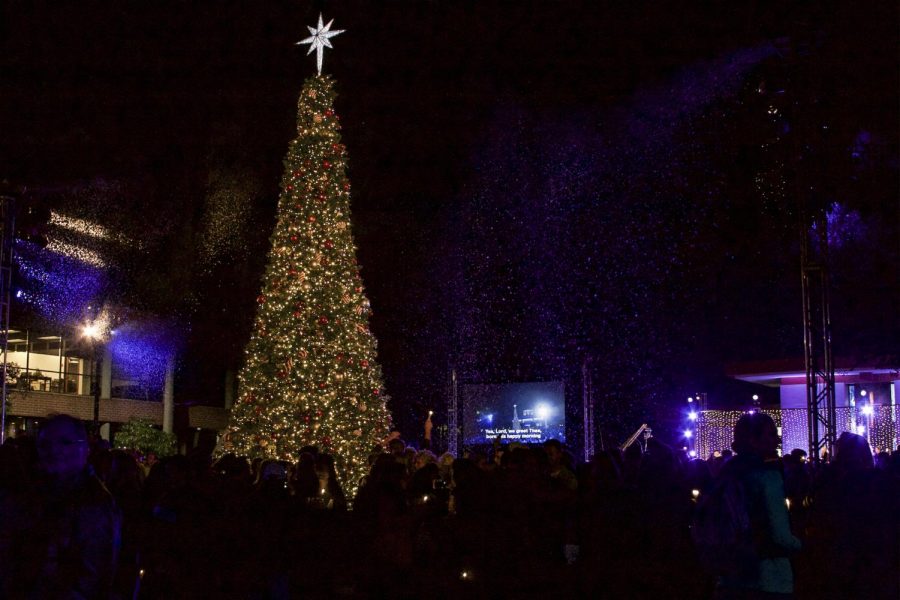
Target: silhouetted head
[
  {"x": 62, "y": 446},
  {"x": 554, "y": 451},
  {"x": 755, "y": 433},
  {"x": 852, "y": 452}
]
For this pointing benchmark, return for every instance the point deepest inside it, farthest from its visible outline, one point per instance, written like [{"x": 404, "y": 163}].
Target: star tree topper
[{"x": 318, "y": 41}]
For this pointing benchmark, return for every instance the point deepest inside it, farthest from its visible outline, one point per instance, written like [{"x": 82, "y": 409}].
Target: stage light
[
  {"x": 860, "y": 430},
  {"x": 690, "y": 400},
  {"x": 542, "y": 412},
  {"x": 755, "y": 397},
  {"x": 688, "y": 433},
  {"x": 692, "y": 415},
  {"x": 868, "y": 410},
  {"x": 863, "y": 392},
  {"x": 692, "y": 454},
  {"x": 695, "y": 493}
]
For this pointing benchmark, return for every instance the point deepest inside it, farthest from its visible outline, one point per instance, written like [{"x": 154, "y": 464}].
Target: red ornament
[
  {"x": 336, "y": 147},
  {"x": 323, "y": 319},
  {"x": 376, "y": 391},
  {"x": 293, "y": 238},
  {"x": 261, "y": 299},
  {"x": 258, "y": 409},
  {"x": 289, "y": 188},
  {"x": 318, "y": 413},
  {"x": 326, "y": 440},
  {"x": 306, "y": 418},
  {"x": 297, "y": 314},
  {"x": 326, "y": 164},
  {"x": 322, "y": 386},
  {"x": 346, "y": 186},
  {"x": 296, "y": 173},
  {"x": 312, "y": 218},
  {"x": 329, "y": 113},
  {"x": 364, "y": 364},
  {"x": 329, "y": 244}
]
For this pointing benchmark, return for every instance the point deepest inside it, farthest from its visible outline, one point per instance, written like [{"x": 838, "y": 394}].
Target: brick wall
[
  {"x": 208, "y": 417},
  {"x": 114, "y": 410}
]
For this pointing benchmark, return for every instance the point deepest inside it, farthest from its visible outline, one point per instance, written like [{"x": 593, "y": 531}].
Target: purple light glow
[
  {"x": 59, "y": 287},
  {"x": 844, "y": 225},
  {"x": 140, "y": 351}
]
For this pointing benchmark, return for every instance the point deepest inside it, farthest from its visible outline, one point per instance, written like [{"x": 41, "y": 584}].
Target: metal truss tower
[
  {"x": 587, "y": 396},
  {"x": 817, "y": 352},
  {"x": 452, "y": 416},
  {"x": 7, "y": 233}
]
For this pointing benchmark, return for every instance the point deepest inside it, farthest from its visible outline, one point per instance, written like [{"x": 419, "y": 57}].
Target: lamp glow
[
  {"x": 688, "y": 433},
  {"x": 692, "y": 415},
  {"x": 868, "y": 410}
]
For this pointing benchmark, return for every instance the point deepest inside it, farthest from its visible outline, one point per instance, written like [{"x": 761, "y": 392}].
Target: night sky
[{"x": 535, "y": 184}]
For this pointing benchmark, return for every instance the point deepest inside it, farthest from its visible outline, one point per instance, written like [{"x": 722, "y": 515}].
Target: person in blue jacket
[{"x": 758, "y": 468}]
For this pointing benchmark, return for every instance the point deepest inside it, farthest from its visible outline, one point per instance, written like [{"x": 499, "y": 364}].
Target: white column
[
  {"x": 169, "y": 395},
  {"x": 106, "y": 374}
]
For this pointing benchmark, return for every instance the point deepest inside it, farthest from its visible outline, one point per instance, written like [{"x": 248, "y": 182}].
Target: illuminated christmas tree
[{"x": 311, "y": 376}]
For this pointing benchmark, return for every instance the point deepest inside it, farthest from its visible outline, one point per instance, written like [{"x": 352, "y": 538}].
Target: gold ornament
[{"x": 317, "y": 118}]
